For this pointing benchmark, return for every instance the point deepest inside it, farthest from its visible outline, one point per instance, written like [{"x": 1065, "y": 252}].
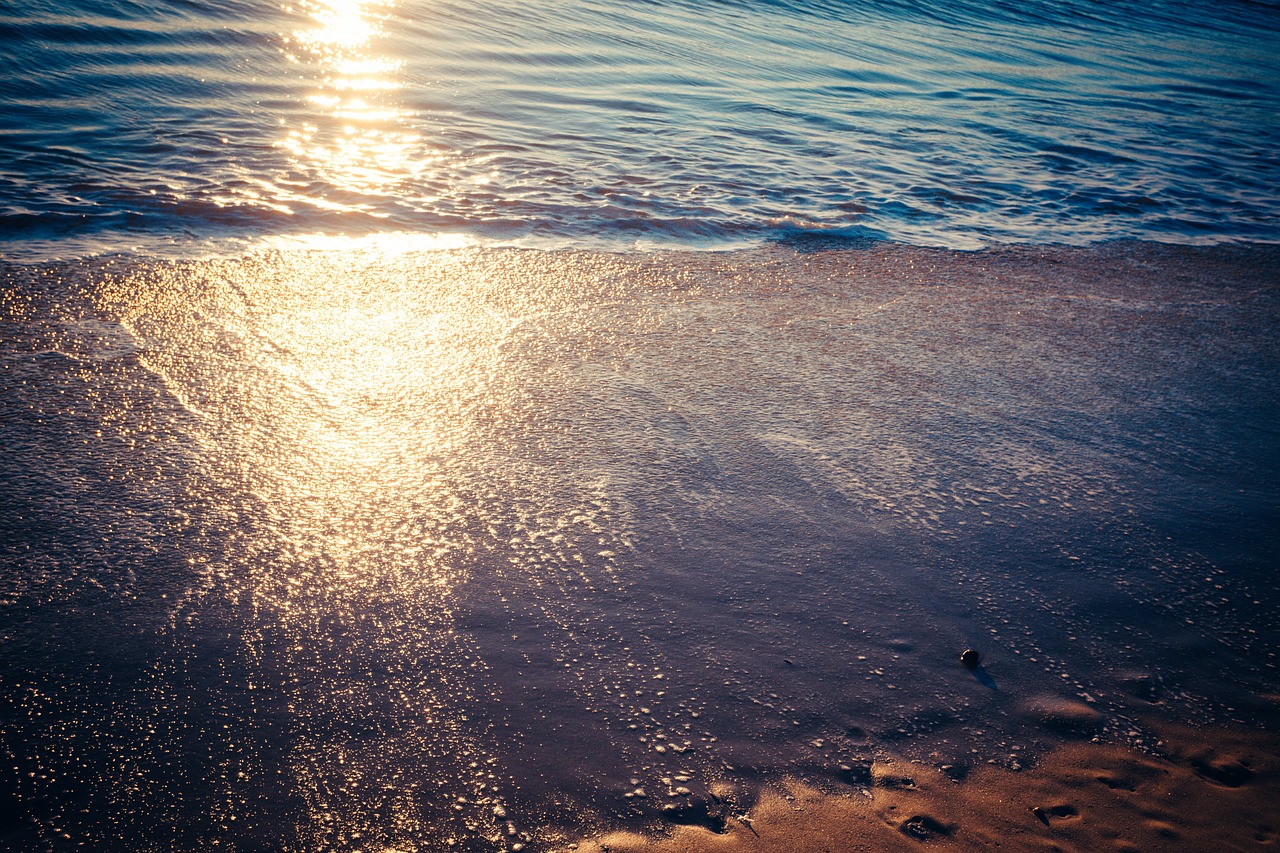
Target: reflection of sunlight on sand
[
  {"x": 391, "y": 428},
  {"x": 333, "y": 396},
  {"x": 392, "y": 424}
]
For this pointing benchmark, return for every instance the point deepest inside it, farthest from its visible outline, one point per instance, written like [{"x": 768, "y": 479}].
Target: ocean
[
  {"x": 489, "y": 426},
  {"x": 643, "y": 124}
]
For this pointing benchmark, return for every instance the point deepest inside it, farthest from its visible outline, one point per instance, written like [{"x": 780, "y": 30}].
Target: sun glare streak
[
  {"x": 386, "y": 245},
  {"x": 343, "y": 24},
  {"x": 360, "y": 140},
  {"x": 338, "y": 398}
]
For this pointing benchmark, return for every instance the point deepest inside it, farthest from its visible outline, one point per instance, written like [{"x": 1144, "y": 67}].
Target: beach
[
  {"x": 498, "y": 549},
  {"x": 789, "y": 425},
  {"x": 1205, "y": 790}
]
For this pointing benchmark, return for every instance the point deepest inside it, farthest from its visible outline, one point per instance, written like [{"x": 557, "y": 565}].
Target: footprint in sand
[
  {"x": 922, "y": 827},
  {"x": 1231, "y": 773},
  {"x": 1044, "y": 815}
]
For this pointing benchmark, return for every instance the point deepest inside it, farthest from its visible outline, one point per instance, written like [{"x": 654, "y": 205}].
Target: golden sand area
[{"x": 1197, "y": 790}]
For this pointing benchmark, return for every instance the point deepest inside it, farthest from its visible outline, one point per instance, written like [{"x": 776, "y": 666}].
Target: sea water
[
  {"x": 951, "y": 124},
  {"x": 461, "y": 426}
]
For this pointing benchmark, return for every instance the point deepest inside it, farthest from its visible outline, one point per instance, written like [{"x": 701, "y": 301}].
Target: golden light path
[
  {"x": 360, "y": 140},
  {"x": 330, "y": 401},
  {"x": 369, "y": 447},
  {"x": 349, "y": 401}
]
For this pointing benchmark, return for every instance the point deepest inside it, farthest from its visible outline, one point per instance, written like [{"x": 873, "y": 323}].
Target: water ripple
[{"x": 592, "y": 122}]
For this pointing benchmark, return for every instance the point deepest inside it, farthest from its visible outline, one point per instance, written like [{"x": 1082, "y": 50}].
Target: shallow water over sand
[{"x": 373, "y": 551}]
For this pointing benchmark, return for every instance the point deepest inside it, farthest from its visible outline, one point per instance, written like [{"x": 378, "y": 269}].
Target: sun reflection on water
[{"x": 360, "y": 138}]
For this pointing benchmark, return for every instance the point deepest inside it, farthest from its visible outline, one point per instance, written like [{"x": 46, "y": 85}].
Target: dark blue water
[{"x": 145, "y": 124}]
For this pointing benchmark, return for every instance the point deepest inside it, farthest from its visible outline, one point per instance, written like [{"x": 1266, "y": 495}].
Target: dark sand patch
[{"x": 1203, "y": 790}]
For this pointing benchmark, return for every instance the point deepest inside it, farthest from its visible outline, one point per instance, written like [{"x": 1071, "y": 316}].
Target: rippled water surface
[{"x": 958, "y": 124}]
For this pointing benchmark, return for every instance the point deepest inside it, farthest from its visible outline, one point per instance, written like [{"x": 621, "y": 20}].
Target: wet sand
[
  {"x": 1196, "y": 790},
  {"x": 494, "y": 549}
]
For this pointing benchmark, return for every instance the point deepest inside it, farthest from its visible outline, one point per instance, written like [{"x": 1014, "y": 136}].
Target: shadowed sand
[{"x": 1198, "y": 790}]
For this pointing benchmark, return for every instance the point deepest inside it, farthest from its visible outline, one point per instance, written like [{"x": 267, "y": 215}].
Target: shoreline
[{"x": 35, "y": 253}]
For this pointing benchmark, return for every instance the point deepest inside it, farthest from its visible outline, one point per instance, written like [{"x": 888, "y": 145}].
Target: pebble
[{"x": 970, "y": 658}]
